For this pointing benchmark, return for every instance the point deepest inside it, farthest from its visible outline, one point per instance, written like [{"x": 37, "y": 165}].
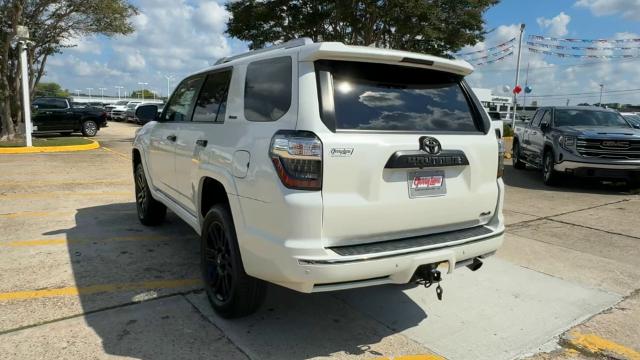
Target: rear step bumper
[{"x": 346, "y": 272}]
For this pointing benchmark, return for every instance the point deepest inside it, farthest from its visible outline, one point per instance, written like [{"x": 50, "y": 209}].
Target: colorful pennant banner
[
  {"x": 562, "y": 47},
  {"x": 590, "y": 41},
  {"x": 494, "y": 60},
  {"x": 504, "y": 44},
  {"x": 497, "y": 53},
  {"x": 580, "y": 56}
]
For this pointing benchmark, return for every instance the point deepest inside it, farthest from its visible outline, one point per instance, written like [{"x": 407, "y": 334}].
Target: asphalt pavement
[{"x": 81, "y": 278}]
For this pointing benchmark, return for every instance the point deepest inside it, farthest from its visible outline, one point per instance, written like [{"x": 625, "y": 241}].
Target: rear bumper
[{"x": 335, "y": 272}]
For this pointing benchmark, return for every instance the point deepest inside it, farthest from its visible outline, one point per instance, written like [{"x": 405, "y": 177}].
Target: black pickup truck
[
  {"x": 57, "y": 115},
  {"x": 581, "y": 141}
]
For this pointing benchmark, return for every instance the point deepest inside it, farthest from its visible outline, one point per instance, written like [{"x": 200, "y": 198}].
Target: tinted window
[
  {"x": 212, "y": 102},
  {"x": 537, "y": 118},
  {"x": 567, "y": 117},
  {"x": 267, "y": 91},
  {"x": 390, "y": 97},
  {"x": 546, "y": 119},
  {"x": 50, "y": 104},
  {"x": 179, "y": 107},
  {"x": 633, "y": 119},
  {"x": 59, "y": 104}
]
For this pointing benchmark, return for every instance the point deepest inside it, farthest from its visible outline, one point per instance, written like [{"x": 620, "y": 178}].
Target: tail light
[
  {"x": 297, "y": 157},
  {"x": 500, "y": 158}
]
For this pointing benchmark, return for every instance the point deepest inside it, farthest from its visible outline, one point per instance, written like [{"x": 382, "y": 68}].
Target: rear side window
[
  {"x": 397, "y": 98},
  {"x": 267, "y": 91},
  {"x": 181, "y": 103},
  {"x": 212, "y": 102}
]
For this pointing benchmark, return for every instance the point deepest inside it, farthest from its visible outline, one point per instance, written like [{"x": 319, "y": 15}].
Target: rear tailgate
[{"x": 408, "y": 154}]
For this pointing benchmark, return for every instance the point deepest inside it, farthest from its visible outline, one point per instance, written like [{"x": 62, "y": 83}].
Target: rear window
[{"x": 397, "y": 98}]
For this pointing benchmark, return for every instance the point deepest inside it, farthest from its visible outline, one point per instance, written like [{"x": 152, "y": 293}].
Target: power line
[{"x": 549, "y": 67}]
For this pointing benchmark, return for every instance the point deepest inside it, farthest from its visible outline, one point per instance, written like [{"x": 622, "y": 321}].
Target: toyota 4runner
[{"x": 320, "y": 167}]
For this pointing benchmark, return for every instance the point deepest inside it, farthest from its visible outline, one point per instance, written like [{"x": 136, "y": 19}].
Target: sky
[{"x": 178, "y": 37}]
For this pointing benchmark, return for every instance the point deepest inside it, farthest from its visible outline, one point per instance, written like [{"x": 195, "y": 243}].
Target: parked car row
[
  {"x": 61, "y": 115},
  {"x": 125, "y": 110}
]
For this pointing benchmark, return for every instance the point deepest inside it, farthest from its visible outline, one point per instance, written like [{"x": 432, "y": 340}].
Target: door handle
[
  {"x": 172, "y": 138},
  {"x": 202, "y": 143}
]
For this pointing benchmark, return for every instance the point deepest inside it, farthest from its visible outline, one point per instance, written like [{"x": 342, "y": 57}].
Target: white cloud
[
  {"x": 556, "y": 26},
  {"x": 171, "y": 37},
  {"x": 629, "y": 9}
]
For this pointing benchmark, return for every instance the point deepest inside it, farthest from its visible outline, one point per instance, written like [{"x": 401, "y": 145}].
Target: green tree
[
  {"x": 53, "y": 24},
  {"x": 428, "y": 26},
  {"x": 50, "y": 89},
  {"x": 148, "y": 94}
]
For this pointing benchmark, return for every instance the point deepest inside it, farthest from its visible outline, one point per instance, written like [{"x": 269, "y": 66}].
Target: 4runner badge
[{"x": 341, "y": 152}]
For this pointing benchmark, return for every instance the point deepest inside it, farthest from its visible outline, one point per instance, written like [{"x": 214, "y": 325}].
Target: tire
[
  {"x": 89, "y": 128},
  {"x": 550, "y": 176},
  {"x": 231, "y": 292},
  {"x": 150, "y": 211},
  {"x": 517, "y": 163}
]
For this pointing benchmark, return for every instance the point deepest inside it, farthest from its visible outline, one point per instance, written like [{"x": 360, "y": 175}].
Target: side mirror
[
  {"x": 146, "y": 113},
  {"x": 544, "y": 127}
]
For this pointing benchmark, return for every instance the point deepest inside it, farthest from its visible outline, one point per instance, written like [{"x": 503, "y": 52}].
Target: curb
[{"x": 49, "y": 149}]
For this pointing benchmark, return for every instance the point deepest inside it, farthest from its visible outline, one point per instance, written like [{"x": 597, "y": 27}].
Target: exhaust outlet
[{"x": 475, "y": 265}]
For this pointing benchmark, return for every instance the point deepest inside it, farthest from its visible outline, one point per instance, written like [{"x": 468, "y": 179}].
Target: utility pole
[
  {"x": 513, "y": 121},
  {"x": 89, "y": 93},
  {"x": 119, "y": 88},
  {"x": 23, "y": 36},
  {"x": 601, "y": 88},
  {"x": 169, "y": 78}
]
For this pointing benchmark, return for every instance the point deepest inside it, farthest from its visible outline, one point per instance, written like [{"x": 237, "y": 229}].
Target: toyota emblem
[{"x": 430, "y": 145}]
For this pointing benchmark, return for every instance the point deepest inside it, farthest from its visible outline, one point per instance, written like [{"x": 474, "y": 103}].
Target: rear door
[{"x": 409, "y": 152}]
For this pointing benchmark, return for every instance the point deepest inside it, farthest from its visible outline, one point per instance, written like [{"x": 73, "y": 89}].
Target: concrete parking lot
[{"x": 81, "y": 278}]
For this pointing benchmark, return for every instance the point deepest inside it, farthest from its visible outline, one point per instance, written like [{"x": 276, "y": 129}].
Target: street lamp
[
  {"x": 102, "y": 93},
  {"x": 601, "y": 88},
  {"x": 90, "y": 89},
  {"x": 143, "y": 84},
  {"x": 78, "y": 92},
  {"x": 169, "y": 78},
  {"x": 119, "y": 88}
]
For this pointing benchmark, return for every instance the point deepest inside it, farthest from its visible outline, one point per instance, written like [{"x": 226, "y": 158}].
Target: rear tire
[
  {"x": 89, "y": 128},
  {"x": 517, "y": 162},
  {"x": 231, "y": 292},
  {"x": 551, "y": 177},
  {"x": 150, "y": 211}
]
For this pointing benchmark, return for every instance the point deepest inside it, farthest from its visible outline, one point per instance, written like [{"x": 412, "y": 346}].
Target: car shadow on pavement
[
  {"x": 139, "y": 290},
  {"x": 531, "y": 179}
]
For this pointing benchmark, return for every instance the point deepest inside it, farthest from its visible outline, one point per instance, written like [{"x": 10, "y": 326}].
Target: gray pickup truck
[{"x": 582, "y": 141}]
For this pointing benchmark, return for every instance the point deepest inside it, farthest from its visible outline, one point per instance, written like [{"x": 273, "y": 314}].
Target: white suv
[{"x": 321, "y": 166}]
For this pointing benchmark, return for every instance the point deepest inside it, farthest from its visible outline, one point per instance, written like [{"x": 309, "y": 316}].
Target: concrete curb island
[{"x": 49, "y": 149}]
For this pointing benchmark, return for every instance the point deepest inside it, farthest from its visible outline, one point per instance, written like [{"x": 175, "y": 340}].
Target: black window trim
[
  {"x": 206, "y": 75},
  {"x": 244, "y": 90},
  {"x": 324, "y": 84}
]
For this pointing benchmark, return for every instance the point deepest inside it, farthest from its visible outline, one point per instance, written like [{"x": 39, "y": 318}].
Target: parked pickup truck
[
  {"x": 582, "y": 141},
  {"x": 57, "y": 115}
]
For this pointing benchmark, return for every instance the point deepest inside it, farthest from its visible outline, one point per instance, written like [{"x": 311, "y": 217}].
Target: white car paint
[{"x": 284, "y": 234}]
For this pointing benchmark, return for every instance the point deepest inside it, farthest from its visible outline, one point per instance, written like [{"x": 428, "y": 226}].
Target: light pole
[
  {"x": 169, "y": 78},
  {"x": 78, "y": 92},
  {"x": 513, "y": 123},
  {"x": 119, "y": 88},
  {"x": 143, "y": 84},
  {"x": 23, "y": 40},
  {"x": 90, "y": 89},
  {"x": 601, "y": 88},
  {"x": 102, "y": 93}
]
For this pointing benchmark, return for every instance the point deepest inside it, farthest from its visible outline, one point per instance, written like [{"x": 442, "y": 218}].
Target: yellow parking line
[
  {"x": 31, "y": 195},
  {"x": 65, "y": 182},
  {"x": 594, "y": 344},
  {"x": 44, "y": 242},
  {"x": 95, "y": 289},
  {"x": 414, "y": 357},
  {"x": 124, "y": 156}
]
